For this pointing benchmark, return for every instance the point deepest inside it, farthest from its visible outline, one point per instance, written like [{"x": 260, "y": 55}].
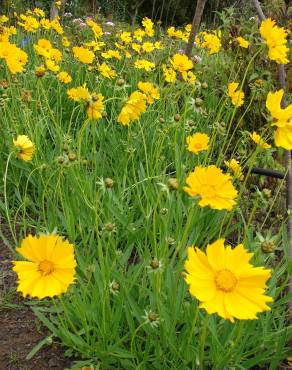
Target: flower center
[
  {"x": 208, "y": 191},
  {"x": 225, "y": 280},
  {"x": 46, "y": 267},
  {"x": 198, "y": 145}
]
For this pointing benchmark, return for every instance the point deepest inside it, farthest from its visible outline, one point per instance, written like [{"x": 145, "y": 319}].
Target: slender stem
[
  {"x": 202, "y": 342},
  {"x": 6, "y": 200}
]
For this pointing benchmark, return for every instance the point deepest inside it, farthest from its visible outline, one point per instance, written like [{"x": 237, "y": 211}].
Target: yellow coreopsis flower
[
  {"x": 45, "y": 23},
  {"x": 132, "y": 110},
  {"x": 148, "y": 47},
  {"x": 97, "y": 30},
  {"x": 52, "y": 65},
  {"x": 282, "y": 117},
  {"x": 64, "y": 77},
  {"x": 259, "y": 141},
  {"x": 139, "y": 34},
  {"x": 226, "y": 283},
  {"x": 144, "y": 64},
  {"x": 242, "y": 42},
  {"x": 283, "y": 137},
  {"x": 126, "y": 37},
  {"x": 151, "y": 92},
  {"x": 148, "y": 26},
  {"x": 49, "y": 268},
  {"x": 83, "y": 54},
  {"x": 112, "y": 54},
  {"x": 65, "y": 42},
  {"x": 29, "y": 24},
  {"x": 211, "y": 42},
  {"x": 39, "y": 12},
  {"x": 181, "y": 63},
  {"x": 235, "y": 167},
  {"x": 276, "y": 39},
  {"x": 79, "y": 93},
  {"x": 213, "y": 187},
  {"x": 197, "y": 142},
  {"x": 95, "y": 107},
  {"x": 169, "y": 74},
  {"x": 25, "y": 147},
  {"x": 137, "y": 47},
  {"x": 237, "y": 97},
  {"x": 106, "y": 71}
]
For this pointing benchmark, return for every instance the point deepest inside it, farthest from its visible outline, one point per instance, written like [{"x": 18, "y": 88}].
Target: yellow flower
[
  {"x": 50, "y": 266},
  {"x": 15, "y": 58},
  {"x": 55, "y": 25},
  {"x": 95, "y": 107},
  {"x": 172, "y": 32},
  {"x": 45, "y": 23},
  {"x": 40, "y": 71},
  {"x": 64, "y": 77},
  {"x": 65, "y": 42},
  {"x": 106, "y": 71},
  {"x": 259, "y": 141},
  {"x": 226, "y": 283},
  {"x": 148, "y": 47},
  {"x": 169, "y": 74},
  {"x": 39, "y": 12},
  {"x": 276, "y": 40},
  {"x": 97, "y": 30},
  {"x": 210, "y": 41},
  {"x": 281, "y": 116},
  {"x": 112, "y": 54},
  {"x": 126, "y": 37},
  {"x": 213, "y": 187},
  {"x": 52, "y": 66},
  {"x": 133, "y": 108},
  {"x": 25, "y": 147},
  {"x": 83, "y": 55},
  {"x": 242, "y": 42},
  {"x": 79, "y": 93},
  {"x": 235, "y": 167},
  {"x": 30, "y": 24},
  {"x": 237, "y": 97},
  {"x": 144, "y": 64},
  {"x": 151, "y": 92},
  {"x": 198, "y": 142},
  {"x": 94, "y": 45},
  {"x": 282, "y": 119},
  {"x": 148, "y": 26},
  {"x": 181, "y": 63},
  {"x": 283, "y": 137},
  {"x": 3, "y": 19},
  {"x": 139, "y": 34},
  {"x": 136, "y": 47}
]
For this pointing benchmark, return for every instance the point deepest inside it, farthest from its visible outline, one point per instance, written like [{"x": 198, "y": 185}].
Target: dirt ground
[{"x": 20, "y": 331}]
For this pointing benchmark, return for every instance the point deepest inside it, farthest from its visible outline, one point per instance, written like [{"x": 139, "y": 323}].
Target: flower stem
[{"x": 202, "y": 342}]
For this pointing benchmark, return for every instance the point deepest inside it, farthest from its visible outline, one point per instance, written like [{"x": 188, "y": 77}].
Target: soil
[{"x": 20, "y": 331}]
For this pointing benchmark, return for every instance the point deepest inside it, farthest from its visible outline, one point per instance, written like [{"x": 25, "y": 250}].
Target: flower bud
[
  {"x": 108, "y": 182},
  {"x": 268, "y": 246},
  {"x": 173, "y": 183}
]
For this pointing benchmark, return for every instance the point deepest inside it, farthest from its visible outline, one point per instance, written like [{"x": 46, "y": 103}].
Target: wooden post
[{"x": 195, "y": 26}]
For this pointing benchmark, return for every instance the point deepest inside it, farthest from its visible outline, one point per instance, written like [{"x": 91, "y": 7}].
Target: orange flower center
[
  {"x": 208, "y": 191},
  {"x": 46, "y": 267},
  {"x": 198, "y": 145},
  {"x": 225, "y": 280}
]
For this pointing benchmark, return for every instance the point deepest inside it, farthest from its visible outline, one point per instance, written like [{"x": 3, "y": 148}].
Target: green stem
[{"x": 202, "y": 342}]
